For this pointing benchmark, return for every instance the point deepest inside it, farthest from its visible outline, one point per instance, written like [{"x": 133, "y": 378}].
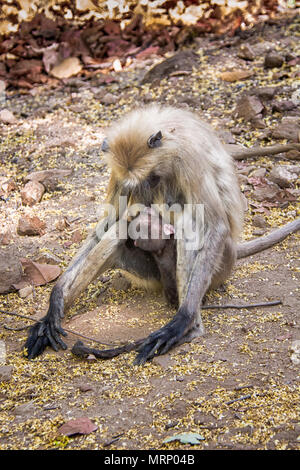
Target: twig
[
  {"x": 262, "y": 304},
  {"x": 16, "y": 329},
  {"x": 244, "y": 397},
  {"x": 241, "y": 153},
  {"x": 130, "y": 346},
  {"x": 67, "y": 330}
]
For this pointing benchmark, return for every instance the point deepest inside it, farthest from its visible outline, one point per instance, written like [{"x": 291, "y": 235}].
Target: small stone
[
  {"x": 5, "y": 373},
  {"x": 282, "y": 176},
  {"x": 109, "y": 98},
  {"x": 259, "y": 221},
  {"x": 249, "y": 107},
  {"x": 246, "y": 52},
  {"x": 25, "y": 292},
  {"x": 25, "y": 409},
  {"x": 283, "y": 106},
  {"x": 7, "y": 117},
  {"x": 28, "y": 225},
  {"x": 295, "y": 349},
  {"x": 2, "y": 352},
  {"x": 288, "y": 128},
  {"x": 273, "y": 59},
  {"x": 267, "y": 193},
  {"x": 32, "y": 193},
  {"x": 264, "y": 93},
  {"x": 259, "y": 173}
]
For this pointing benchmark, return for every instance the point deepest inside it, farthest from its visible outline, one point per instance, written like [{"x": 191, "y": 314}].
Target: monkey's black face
[{"x": 144, "y": 191}]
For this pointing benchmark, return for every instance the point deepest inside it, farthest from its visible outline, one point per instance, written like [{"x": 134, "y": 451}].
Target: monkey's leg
[
  {"x": 198, "y": 267},
  {"x": 94, "y": 257}
]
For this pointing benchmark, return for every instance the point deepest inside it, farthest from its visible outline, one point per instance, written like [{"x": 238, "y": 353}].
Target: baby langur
[{"x": 162, "y": 248}]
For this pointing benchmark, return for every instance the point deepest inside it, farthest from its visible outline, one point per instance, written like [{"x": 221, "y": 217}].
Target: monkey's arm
[
  {"x": 93, "y": 258},
  {"x": 195, "y": 269}
]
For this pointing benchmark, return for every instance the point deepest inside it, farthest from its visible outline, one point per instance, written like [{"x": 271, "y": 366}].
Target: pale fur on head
[{"x": 191, "y": 158}]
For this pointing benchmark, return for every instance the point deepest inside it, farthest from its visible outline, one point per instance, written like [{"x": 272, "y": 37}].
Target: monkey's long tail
[
  {"x": 262, "y": 243},
  {"x": 80, "y": 350}
]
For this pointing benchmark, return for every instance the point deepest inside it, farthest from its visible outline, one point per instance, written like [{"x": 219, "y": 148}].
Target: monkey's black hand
[
  {"x": 166, "y": 337},
  {"x": 45, "y": 333}
]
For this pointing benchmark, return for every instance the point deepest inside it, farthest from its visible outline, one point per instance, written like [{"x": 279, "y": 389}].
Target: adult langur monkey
[{"x": 165, "y": 156}]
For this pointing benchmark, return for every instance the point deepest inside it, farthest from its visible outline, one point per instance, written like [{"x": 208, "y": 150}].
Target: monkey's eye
[{"x": 153, "y": 180}]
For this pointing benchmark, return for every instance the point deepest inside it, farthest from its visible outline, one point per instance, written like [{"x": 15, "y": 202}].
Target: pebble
[
  {"x": 5, "y": 373},
  {"x": 7, "y": 117},
  {"x": 32, "y": 193}
]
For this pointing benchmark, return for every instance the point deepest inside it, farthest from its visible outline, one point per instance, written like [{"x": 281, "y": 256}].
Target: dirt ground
[{"x": 237, "y": 386}]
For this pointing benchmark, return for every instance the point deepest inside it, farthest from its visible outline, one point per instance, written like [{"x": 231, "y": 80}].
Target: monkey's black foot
[
  {"x": 44, "y": 333},
  {"x": 165, "y": 338}
]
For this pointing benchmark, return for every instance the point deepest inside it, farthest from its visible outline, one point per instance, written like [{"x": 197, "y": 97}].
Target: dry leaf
[
  {"x": 77, "y": 426},
  {"x": 39, "y": 274},
  {"x": 235, "y": 75},
  {"x": 67, "y": 68}
]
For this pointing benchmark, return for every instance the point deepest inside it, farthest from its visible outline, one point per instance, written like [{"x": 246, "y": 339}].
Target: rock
[
  {"x": 246, "y": 52},
  {"x": 263, "y": 47},
  {"x": 8, "y": 186},
  {"x": 264, "y": 93},
  {"x": 257, "y": 122},
  {"x": 77, "y": 426},
  {"x": 295, "y": 350},
  {"x": 242, "y": 179},
  {"x": 30, "y": 225},
  {"x": 5, "y": 373},
  {"x": 32, "y": 193},
  {"x": 25, "y": 292},
  {"x": 249, "y": 107},
  {"x": 109, "y": 98},
  {"x": 226, "y": 136},
  {"x": 7, "y": 117},
  {"x": 289, "y": 128},
  {"x": 245, "y": 170},
  {"x": 5, "y": 237},
  {"x": 283, "y": 106},
  {"x": 24, "y": 409},
  {"x": 282, "y": 176},
  {"x": 273, "y": 59},
  {"x": 259, "y": 221},
  {"x": 293, "y": 154},
  {"x": 2, "y": 352},
  {"x": 163, "y": 361},
  {"x": 49, "y": 178},
  {"x": 10, "y": 269},
  {"x": 259, "y": 173},
  {"x": 182, "y": 61},
  {"x": 48, "y": 258},
  {"x": 2, "y": 86},
  {"x": 267, "y": 193}
]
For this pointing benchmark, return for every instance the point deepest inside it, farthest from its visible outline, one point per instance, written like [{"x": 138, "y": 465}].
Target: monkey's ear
[
  {"x": 105, "y": 146},
  {"x": 155, "y": 140}
]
